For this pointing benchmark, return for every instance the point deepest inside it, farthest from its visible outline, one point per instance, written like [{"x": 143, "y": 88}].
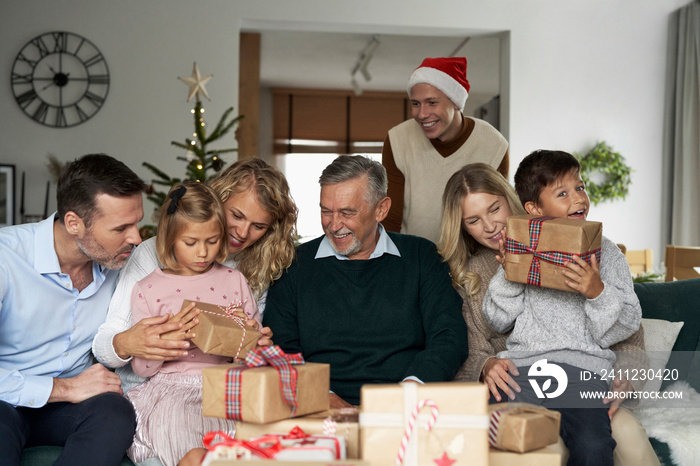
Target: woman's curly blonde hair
[
  {"x": 455, "y": 245},
  {"x": 265, "y": 260}
]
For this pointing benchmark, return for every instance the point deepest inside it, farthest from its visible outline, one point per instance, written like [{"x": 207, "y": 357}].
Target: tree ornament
[
  {"x": 199, "y": 159},
  {"x": 444, "y": 460},
  {"x": 196, "y": 83},
  {"x": 602, "y": 159}
]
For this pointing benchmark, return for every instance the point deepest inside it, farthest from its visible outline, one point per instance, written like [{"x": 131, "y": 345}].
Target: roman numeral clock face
[{"x": 60, "y": 79}]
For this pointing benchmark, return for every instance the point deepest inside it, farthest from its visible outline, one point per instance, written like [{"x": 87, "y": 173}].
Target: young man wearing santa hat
[{"x": 421, "y": 154}]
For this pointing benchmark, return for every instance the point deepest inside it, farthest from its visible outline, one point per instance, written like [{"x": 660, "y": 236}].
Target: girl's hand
[
  {"x": 265, "y": 337},
  {"x": 496, "y": 374},
  {"x": 265, "y": 332},
  {"x": 188, "y": 318},
  {"x": 584, "y": 277}
]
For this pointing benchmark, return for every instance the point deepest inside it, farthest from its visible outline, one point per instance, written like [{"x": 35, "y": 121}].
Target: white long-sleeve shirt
[{"x": 142, "y": 262}]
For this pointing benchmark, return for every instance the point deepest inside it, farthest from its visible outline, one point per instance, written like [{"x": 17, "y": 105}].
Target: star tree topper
[{"x": 196, "y": 83}]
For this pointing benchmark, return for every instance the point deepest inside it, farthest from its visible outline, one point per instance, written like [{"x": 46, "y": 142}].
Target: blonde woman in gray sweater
[{"x": 476, "y": 202}]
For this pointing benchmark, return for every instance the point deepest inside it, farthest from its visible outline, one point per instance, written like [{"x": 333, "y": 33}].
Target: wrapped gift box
[
  {"x": 340, "y": 422},
  {"x": 221, "y": 333},
  {"x": 546, "y": 242},
  {"x": 522, "y": 427},
  {"x": 261, "y": 396},
  {"x": 548, "y": 456},
  {"x": 221, "y": 462},
  {"x": 456, "y": 410},
  {"x": 296, "y": 446}
]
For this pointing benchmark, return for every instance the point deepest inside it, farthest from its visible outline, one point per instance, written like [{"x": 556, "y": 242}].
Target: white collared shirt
[{"x": 384, "y": 246}]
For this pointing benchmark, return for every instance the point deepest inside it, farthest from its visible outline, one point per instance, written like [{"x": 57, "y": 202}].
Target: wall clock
[{"x": 60, "y": 79}]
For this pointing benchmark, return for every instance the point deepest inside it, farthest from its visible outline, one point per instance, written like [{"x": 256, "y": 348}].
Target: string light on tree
[{"x": 202, "y": 163}]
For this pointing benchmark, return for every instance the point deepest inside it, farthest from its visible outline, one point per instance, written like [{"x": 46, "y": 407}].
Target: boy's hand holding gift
[{"x": 584, "y": 277}]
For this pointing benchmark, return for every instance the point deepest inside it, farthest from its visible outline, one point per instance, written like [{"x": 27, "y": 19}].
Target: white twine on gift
[
  {"x": 408, "y": 432},
  {"x": 230, "y": 309}
]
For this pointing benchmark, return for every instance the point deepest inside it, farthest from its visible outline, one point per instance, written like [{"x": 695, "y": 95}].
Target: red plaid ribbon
[
  {"x": 269, "y": 356},
  {"x": 553, "y": 257}
]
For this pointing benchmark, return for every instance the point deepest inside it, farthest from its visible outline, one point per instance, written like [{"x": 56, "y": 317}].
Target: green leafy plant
[
  {"x": 648, "y": 277},
  {"x": 602, "y": 159},
  {"x": 200, "y": 160}
]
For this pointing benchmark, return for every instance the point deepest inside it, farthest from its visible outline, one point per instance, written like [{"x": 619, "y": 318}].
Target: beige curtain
[{"x": 682, "y": 129}]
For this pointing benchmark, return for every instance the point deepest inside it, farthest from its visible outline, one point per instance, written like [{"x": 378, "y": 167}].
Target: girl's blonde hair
[
  {"x": 456, "y": 245},
  {"x": 188, "y": 202},
  {"x": 265, "y": 260}
]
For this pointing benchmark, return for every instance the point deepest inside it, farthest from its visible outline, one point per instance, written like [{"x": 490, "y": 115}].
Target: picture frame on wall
[{"x": 7, "y": 195}]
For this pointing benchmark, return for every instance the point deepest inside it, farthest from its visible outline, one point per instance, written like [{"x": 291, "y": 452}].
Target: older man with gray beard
[{"x": 378, "y": 307}]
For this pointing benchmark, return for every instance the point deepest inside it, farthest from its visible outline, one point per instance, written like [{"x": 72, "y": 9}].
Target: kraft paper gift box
[
  {"x": 220, "y": 333},
  {"x": 296, "y": 446},
  {"x": 340, "y": 422},
  {"x": 219, "y": 462},
  {"x": 393, "y": 421},
  {"x": 548, "y": 456},
  {"x": 537, "y": 247},
  {"x": 260, "y": 394},
  {"x": 522, "y": 427}
]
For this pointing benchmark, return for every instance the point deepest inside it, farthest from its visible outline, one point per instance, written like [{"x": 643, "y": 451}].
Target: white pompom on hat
[{"x": 448, "y": 75}]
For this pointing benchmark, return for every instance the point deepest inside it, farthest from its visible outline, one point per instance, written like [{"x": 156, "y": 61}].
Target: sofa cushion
[
  {"x": 659, "y": 338},
  {"x": 676, "y": 302},
  {"x": 46, "y": 456}
]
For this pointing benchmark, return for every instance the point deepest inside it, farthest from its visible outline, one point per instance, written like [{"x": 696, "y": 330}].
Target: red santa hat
[{"x": 449, "y": 75}]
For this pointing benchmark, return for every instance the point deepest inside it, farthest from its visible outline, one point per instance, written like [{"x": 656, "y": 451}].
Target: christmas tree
[{"x": 201, "y": 162}]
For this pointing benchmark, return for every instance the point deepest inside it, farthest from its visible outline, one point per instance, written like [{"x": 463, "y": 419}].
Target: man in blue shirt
[{"x": 56, "y": 279}]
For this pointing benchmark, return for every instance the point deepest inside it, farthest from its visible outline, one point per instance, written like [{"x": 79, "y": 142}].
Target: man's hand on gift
[
  {"x": 618, "y": 386},
  {"x": 496, "y": 374},
  {"x": 584, "y": 277},
  {"x": 95, "y": 380},
  {"x": 145, "y": 338},
  {"x": 337, "y": 402}
]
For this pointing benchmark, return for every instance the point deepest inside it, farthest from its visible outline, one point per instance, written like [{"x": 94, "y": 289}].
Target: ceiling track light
[{"x": 363, "y": 62}]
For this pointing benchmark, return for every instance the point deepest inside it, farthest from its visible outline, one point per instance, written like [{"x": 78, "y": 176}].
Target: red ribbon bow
[
  {"x": 266, "y": 446},
  {"x": 269, "y": 356},
  {"x": 553, "y": 257},
  {"x": 219, "y": 438}
]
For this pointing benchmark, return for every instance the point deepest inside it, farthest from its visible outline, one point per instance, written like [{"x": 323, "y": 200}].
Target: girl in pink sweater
[{"x": 191, "y": 241}]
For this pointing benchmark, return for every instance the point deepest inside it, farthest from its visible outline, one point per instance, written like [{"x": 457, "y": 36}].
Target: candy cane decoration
[
  {"x": 411, "y": 423},
  {"x": 329, "y": 426}
]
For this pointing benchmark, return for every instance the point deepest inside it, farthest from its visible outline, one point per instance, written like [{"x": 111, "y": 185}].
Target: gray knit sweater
[{"x": 564, "y": 326}]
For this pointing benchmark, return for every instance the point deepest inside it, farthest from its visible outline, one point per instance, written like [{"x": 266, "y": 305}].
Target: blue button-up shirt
[{"x": 46, "y": 325}]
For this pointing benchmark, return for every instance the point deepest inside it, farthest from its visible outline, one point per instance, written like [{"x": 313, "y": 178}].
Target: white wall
[{"x": 581, "y": 71}]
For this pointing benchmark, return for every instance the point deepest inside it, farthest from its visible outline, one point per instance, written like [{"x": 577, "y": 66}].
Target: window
[{"x": 313, "y": 127}]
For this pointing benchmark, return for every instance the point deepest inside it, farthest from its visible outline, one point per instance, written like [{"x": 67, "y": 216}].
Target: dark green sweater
[{"x": 374, "y": 321}]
